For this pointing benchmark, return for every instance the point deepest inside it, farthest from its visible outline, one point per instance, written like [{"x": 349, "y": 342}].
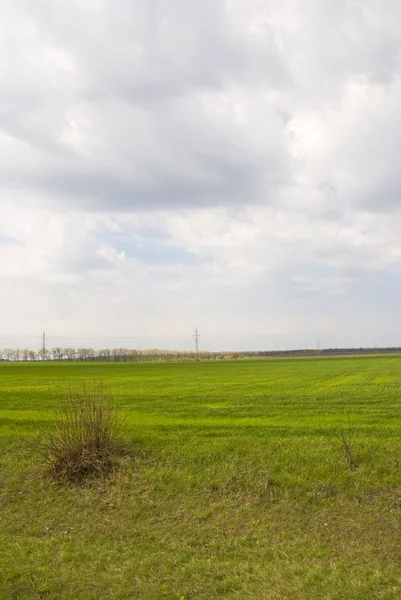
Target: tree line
[
  {"x": 321, "y": 352},
  {"x": 105, "y": 354},
  {"x": 156, "y": 354}
]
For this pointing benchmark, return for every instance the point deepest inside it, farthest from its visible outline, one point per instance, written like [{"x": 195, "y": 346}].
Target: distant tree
[
  {"x": 70, "y": 353},
  {"x": 8, "y": 353},
  {"x": 25, "y": 354},
  {"x": 133, "y": 355},
  {"x": 116, "y": 354},
  {"x": 32, "y": 355},
  {"x": 81, "y": 353},
  {"x": 57, "y": 353},
  {"x": 43, "y": 353},
  {"x": 86, "y": 354},
  {"x": 91, "y": 354},
  {"x": 104, "y": 354}
]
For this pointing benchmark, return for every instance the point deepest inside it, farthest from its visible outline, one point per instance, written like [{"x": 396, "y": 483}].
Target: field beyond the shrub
[{"x": 239, "y": 486}]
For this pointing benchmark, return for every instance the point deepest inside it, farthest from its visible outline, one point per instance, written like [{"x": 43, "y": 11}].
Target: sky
[{"x": 232, "y": 165}]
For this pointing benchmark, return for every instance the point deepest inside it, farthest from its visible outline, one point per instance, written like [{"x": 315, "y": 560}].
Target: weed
[{"x": 347, "y": 444}]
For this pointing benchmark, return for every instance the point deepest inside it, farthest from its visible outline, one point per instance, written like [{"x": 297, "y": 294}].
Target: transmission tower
[
  {"x": 196, "y": 338},
  {"x": 44, "y": 345}
]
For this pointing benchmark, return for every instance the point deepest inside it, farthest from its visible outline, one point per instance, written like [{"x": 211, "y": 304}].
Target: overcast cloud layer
[{"x": 227, "y": 164}]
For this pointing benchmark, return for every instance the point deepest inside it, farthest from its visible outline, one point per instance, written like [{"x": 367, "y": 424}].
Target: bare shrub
[{"x": 84, "y": 437}]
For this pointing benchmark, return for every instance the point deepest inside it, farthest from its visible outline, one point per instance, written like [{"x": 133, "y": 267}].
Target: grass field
[{"x": 239, "y": 487}]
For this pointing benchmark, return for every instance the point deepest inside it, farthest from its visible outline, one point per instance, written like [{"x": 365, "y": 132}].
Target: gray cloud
[
  {"x": 223, "y": 182},
  {"x": 146, "y": 88},
  {"x": 259, "y": 140},
  {"x": 166, "y": 104}
]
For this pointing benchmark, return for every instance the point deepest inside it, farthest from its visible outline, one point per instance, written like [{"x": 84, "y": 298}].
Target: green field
[{"x": 239, "y": 487}]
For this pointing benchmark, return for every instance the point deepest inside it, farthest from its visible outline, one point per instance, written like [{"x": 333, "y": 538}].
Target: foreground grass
[{"x": 239, "y": 488}]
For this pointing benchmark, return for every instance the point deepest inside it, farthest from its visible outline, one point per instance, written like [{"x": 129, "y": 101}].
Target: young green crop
[{"x": 239, "y": 487}]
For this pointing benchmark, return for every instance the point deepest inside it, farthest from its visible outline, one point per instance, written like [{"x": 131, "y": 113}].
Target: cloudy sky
[{"x": 227, "y": 164}]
